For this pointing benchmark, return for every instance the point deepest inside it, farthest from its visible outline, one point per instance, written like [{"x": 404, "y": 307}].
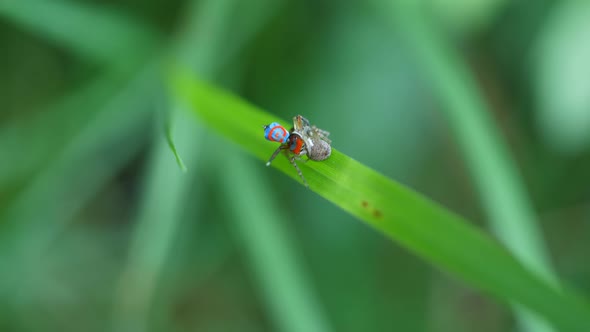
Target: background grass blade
[
  {"x": 37, "y": 242},
  {"x": 171, "y": 144},
  {"x": 422, "y": 226},
  {"x": 39, "y": 133},
  {"x": 74, "y": 159},
  {"x": 260, "y": 225},
  {"x": 504, "y": 197},
  {"x": 166, "y": 190},
  {"x": 157, "y": 223},
  {"x": 110, "y": 37}
]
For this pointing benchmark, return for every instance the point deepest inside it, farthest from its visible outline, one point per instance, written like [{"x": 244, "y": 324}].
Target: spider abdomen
[{"x": 320, "y": 150}]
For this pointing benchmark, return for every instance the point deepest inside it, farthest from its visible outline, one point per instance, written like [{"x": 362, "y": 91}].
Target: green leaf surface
[{"x": 422, "y": 226}]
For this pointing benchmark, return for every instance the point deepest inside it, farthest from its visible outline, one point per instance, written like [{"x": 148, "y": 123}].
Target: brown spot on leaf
[
  {"x": 365, "y": 204},
  {"x": 377, "y": 213}
]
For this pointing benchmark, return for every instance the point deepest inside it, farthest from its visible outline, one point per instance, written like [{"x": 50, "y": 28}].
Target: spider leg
[
  {"x": 275, "y": 154},
  {"x": 322, "y": 134},
  {"x": 292, "y": 160}
]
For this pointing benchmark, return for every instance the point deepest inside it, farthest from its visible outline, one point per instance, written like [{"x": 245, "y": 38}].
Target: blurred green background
[{"x": 100, "y": 230}]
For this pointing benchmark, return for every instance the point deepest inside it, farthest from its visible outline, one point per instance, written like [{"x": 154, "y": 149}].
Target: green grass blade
[
  {"x": 502, "y": 191},
  {"x": 89, "y": 31},
  {"x": 159, "y": 217},
  {"x": 170, "y": 140},
  {"x": 504, "y": 197},
  {"x": 422, "y": 226}
]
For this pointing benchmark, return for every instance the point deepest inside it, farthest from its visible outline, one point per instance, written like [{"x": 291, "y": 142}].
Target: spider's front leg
[{"x": 276, "y": 153}]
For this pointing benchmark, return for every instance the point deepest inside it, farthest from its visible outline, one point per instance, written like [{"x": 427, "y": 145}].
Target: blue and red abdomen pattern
[{"x": 276, "y": 133}]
